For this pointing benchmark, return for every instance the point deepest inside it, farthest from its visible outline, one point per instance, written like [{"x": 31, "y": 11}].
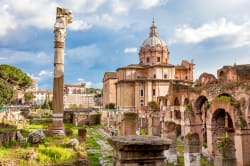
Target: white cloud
[
  {"x": 130, "y": 50},
  {"x": 12, "y": 56},
  {"x": 146, "y": 4},
  {"x": 34, "y": 77},
  {"x": 220, "y": 28},
  {"x": 84, "y": 6},
  {"x": 7, "y": 21},
  {"x": 123, "y": 7},
  {"x": 79, "y": 25},
  {"x": 45, "y": 73},
  {"x": 41, "y": 13}
]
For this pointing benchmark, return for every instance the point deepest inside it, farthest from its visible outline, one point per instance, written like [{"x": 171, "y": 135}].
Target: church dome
[
  {"x": 153, "y": 39},
  {"x": 153, "y": 50}
]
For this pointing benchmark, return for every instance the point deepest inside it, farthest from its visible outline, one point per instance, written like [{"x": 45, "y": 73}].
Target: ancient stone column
[
  {"x": 63, "y": 18},
  {"x": 192, "y": 149},
  {"x": 139, "y": 150}
]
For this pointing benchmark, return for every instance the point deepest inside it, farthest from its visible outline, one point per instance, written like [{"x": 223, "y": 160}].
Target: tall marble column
[{"x": 63, "y": 18}]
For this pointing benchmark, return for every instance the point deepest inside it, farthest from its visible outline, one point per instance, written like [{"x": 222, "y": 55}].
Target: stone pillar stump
[
  {"x": 82, "y": 134},
  {"x": 225, "y": 152},
  {"x": 170, "y": 133},
  {"x": 129, "y": 124},
  {"x": 192, "y": 150},
  {"x": 139, "y": 150}
]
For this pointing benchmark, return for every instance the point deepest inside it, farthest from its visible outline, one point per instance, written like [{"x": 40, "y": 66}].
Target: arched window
[{"x": 176, "y": 102}]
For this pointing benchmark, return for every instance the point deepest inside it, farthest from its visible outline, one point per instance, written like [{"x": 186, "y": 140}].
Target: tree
[
  {"x": 153, "y": 106},
  {"x": 110, "y": 106},
  {"x": 92, "y": 90},
  {"x": 6, "y": 92},
  {"x": 46, "y": 104},
  {"x": 15, "y": 76},
  {"x": 28, "y": 96}
]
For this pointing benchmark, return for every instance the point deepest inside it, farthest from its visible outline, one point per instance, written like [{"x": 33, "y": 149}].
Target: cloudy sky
[{"x": 107, "y": 34}]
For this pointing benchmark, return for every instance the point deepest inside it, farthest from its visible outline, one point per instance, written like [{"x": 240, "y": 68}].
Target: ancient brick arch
[
  {"x": 199, "y": 102},
  {"x": 216, "y": 118},
  {"x": 218, "y": 104},
  {"x": 176, "y": 101},
  {"x": 185, "y": 102}
]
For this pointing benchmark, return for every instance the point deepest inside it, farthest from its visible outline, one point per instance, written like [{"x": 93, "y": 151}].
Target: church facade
[{"x": 135, "y": 85}]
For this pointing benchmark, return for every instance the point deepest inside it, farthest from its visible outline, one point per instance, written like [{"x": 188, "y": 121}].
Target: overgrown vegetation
[
  {"x": 28, "y": 96},
  {"x": 189, "y": 113},
  {"x": 153, "y": 106},
  {"x": 110, "y": 106},
  {"x": 207, "y": 105},
  {"x": 55, "y": 154},
  {"x": 224, "y": 143},
  {"x": 51, "y": 151}
]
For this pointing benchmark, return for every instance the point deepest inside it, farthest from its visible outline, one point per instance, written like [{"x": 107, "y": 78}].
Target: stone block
[
  {"x": 139, "y": 150},
  {"x": 82, "y": 133},
  {"x": 36, "y": 136},
  {"x": 72, "y": 143},
  {"x": 192, "y": 159}
]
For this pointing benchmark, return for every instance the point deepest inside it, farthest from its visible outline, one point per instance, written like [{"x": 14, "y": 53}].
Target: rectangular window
[
  {"x": 158, "y": 59},
  {"x": 153, "y": 92},
  {"x": 147, "y": 59},
  {"x": 141, "y": 93}
]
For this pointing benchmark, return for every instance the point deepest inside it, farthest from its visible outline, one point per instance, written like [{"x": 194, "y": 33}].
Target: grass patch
[
  {"x": 179, "y": 147},
  {"x": 205, "y": 162},
  {"x": 54, "y": 154},
  {"x": 4, "y": 152},
  {"x": 51, "y": 151},
  {"x": 92, "y": 147}
]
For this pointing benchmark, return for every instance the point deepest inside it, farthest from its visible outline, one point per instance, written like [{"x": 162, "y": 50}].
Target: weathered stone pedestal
[
  {"x": 192, "y": 150},
  {"x": 169, "y": 133},
  {"x": 129, "y": 124},
  {"x": 82, "y": 134},
  {"x": 225, "y": 156},
  {"x": 139, "y": 150},
  {"x": 154, "y": 125}
]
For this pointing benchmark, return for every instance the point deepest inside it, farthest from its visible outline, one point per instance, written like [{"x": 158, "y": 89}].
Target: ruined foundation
[{"x": 139, "y": 150}]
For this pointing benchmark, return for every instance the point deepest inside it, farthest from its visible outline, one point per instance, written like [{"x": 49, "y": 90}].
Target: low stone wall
[{"x": 8, "y": 137}]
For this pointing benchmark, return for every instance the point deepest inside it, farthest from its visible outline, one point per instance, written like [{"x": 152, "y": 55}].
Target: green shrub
[{"x": 224, "y": 143}]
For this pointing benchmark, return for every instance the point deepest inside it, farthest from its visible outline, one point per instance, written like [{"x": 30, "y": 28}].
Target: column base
[
  {"x": 57, "y": 132},
  {"x": 57, "y": 127}
]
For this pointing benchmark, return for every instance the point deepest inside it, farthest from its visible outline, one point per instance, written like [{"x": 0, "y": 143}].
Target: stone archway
[
  {"x": 222, "y": 126},
  {"x": 201, "y": 107}
]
